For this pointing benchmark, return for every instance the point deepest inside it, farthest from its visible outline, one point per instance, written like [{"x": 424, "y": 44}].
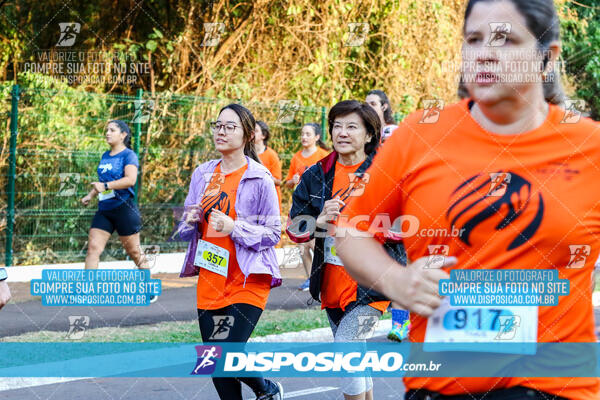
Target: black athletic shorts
[{"x": 126, "y": 219}]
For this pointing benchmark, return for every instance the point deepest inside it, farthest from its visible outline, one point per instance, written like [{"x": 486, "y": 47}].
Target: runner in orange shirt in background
[
  {"x": 513, "y": 174},
  {"x": 268, "y": 157},
  {"x": 313, "y": 149}
]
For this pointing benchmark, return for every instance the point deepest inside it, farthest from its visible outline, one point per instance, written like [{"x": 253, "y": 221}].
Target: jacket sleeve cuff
[
  {"x": 185, "y": 231},
  {"x": 244, "y": 234}
]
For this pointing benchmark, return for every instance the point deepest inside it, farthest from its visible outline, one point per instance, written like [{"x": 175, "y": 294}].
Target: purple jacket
[{"x": 257, "y": 227}]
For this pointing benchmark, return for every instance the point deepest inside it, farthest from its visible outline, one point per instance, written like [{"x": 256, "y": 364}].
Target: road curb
[{"x": 317, "y": 335}]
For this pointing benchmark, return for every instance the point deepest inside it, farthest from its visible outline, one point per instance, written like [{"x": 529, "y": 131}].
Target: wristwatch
[
  {"x": 3, "y": 274},
  {"x": 105, "y": 186}
]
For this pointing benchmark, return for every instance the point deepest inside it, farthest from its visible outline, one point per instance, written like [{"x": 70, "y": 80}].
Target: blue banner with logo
[{"x": 295, "y": 360}]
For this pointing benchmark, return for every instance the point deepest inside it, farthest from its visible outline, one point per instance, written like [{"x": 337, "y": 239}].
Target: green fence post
[
  {"x": 324, "y": 120},
  {"x": 12, "y": 167},
  {"x": 137, "y": 129}
]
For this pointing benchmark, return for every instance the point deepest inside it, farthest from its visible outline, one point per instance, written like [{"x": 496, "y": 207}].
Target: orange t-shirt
[
  {"x": 338, "y": 289},
  {"x": 214, "y": 291},
  {"x": 443, "y": 173},
  {"x": 299, "y": 163},
  {"x": 270, "y": 159}
]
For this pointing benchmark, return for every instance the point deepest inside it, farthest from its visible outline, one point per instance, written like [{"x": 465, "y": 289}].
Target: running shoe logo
[
  {"x": 212, "y": 33},
  {"x": 366, "y": 326},
  {"x": 573, "y": 110},
  {"x": 499, "y": 32},
  {"x": 355, "y": 188},
  {"x": 287, "y": 111},
  {"x": 579, "y": 254},
  {"x": 513, "y": 204},
  {"x": 223, "y": 324},
  {"x": 508, "y": 327},
  {"x": 207, "y": 359},
  {"x": 499, "y": 183},
  {"x": 78, "y": 324},
  {"x": 437, "y": 252},
  {"x": 432, "y": 109},
  {"x": 68, "y": 33}
]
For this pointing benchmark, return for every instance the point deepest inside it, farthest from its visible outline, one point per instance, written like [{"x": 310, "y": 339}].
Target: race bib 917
[{"x": 486, "y": 325}]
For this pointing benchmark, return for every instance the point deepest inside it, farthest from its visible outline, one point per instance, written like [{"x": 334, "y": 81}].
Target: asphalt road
[
  {"x": 178, "y": 304},
  {"x": 189, "y": 389}
]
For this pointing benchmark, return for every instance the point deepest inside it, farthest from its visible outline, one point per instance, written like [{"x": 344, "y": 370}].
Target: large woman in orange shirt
[{"x": 505, "y": 179}]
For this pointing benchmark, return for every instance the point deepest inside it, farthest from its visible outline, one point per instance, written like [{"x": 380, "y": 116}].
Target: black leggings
[{"x": 236, "y": 329}]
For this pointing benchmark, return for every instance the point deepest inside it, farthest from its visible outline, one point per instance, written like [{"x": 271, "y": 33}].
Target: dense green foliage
[{"x": 581, "y": 52}]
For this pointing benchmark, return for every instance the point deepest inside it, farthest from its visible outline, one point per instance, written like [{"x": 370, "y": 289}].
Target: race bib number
[
  {"x": 212, "y": 258},
  {"x": 489, "y": 325},
  {"x": 330, "y": 252},
  {"x": 107, "y": 194}
]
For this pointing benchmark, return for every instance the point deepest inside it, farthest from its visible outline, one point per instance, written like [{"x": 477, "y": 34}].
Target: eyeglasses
[{"x": 216, "y": 127}]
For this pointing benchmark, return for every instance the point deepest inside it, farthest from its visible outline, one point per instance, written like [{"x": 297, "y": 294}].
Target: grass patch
[
  {"x": 280, "y": 321},
  {"x": 271, "y": 322}
]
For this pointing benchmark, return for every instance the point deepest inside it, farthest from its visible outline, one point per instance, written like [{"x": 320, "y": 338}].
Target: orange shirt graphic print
[
  {"x": 506, "y": 204},
  {"x": 214, "y": 196}
]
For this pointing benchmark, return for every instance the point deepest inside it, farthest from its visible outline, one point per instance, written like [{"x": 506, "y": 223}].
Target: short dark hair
[
  {"x": 388, "y": 114},
  {"x": 366, "y": 113},
  {"x": 265, "y": 131}
]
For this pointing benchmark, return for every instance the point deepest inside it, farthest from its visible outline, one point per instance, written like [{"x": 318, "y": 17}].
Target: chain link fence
[{"x": 54, "y": 139}]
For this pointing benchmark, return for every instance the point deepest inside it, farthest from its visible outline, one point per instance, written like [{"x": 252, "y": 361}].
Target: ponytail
[
  {"x": 318, "y": 132},
  {"x": 124, "y": 128},
  {"x": 250, "y": 151},
  {"x": 388, "y": 114},
  {"x": 265, "y": 131}
]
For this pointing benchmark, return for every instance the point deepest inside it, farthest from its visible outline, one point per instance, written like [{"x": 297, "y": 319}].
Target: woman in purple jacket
[{"x": 231, "y": 218}]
